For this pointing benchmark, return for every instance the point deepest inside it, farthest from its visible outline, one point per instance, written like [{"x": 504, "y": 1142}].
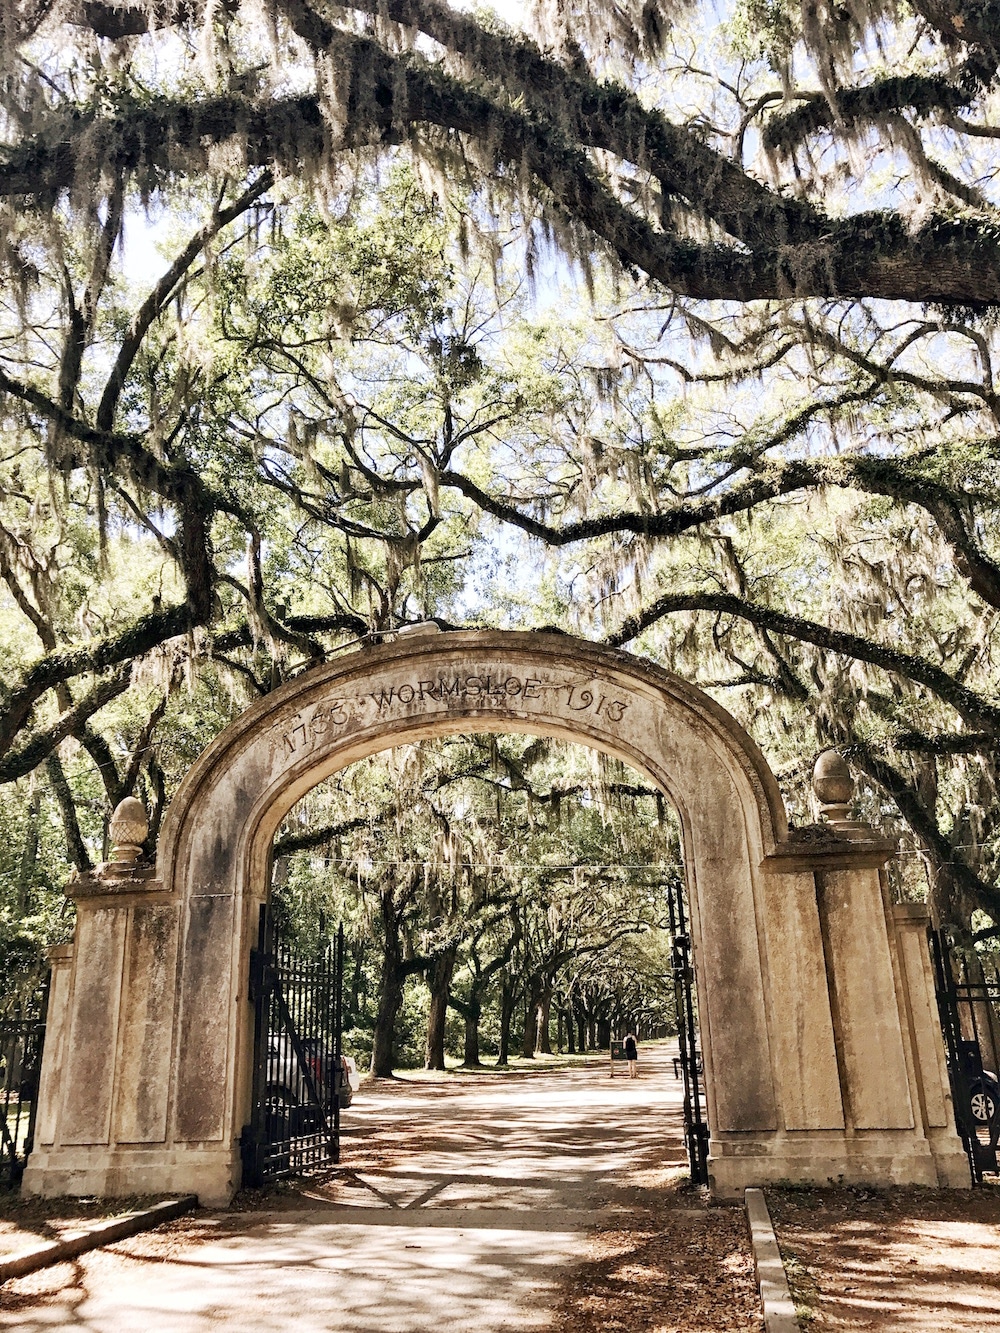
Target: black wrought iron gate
[
  {"x": 695, "y": 1122},
  {"x": 22, "y": 1036},
  {"x": 968, "y": 995},
  {"x": 298, "y": 1068}
]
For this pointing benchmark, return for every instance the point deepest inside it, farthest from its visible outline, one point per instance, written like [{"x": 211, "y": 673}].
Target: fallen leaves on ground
[
  {"x": 678, "y": 1265},
  {"x": 905, "y": 1260}
]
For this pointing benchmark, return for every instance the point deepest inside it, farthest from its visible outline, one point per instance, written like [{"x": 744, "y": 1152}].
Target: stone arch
[{"x": 146, "y": 1083}]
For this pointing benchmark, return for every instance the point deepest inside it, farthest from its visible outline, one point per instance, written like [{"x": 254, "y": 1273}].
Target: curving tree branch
[
  {"x": 946, "y": 260},
  {"x": 971, "y": 706}
]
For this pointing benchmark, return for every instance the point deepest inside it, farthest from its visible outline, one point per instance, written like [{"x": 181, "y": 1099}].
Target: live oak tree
[
  {"x": 588, "y": 120},
  {"x": 766, "y": 452},
  {"x": 98, "y": 565},
  {"x": 486, "y": 866},
  {"x": 612, "y": 993}
]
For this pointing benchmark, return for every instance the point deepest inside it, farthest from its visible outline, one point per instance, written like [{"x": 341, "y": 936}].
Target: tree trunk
[
  {"x": 390, "y": 995},
  {"x": 530, "y": 1026},
  {"x": 383, "y": 1040},
  {"x": 581, "y": 1029},
  {"x": 439, "y": 976},
  {"x": 570, "y": 1032},
  {"x": 357, "y": 976},
  {"x": 29, "y": 854},
  {"x": 473, "y": 1013},
  {"x": 508, "y": 998},
  {"x": 75, "y": 845},
  {"x": 543, "y": 1011}
]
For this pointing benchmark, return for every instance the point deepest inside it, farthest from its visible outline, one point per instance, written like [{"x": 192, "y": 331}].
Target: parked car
[
  {"x": 984, "y": 1094},
  {"x": 287, "y": 1084}
]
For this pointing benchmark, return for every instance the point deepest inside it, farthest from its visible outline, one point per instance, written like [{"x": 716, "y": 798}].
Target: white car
[{"x": 286, "y": 1083}]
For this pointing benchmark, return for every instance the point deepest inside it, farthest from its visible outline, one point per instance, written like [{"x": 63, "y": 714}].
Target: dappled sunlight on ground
[
  {"x": 906, "y": 1261},
  {"x": 461, "y": 1203}
]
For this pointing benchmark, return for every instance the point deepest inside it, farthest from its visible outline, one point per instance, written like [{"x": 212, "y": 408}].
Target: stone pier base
[
  {"x": 873, "y": 1158},
  {"x": 212, "y": 1175}
]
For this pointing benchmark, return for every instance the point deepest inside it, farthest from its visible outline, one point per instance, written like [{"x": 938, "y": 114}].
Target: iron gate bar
[
  {"x": 696, "y": 1134},
  {"x": 964, "y": 1055},
  {"x": 22, "y": 1039},
  {"x": 339, "y": 1073},
  {"x": 980, "y": 1000},
  {"x": 291, "y": 1027},
  {"x": 297, "y": 1001}
]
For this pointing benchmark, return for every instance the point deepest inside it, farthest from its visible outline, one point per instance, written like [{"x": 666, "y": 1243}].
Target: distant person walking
[{"x": 632, "y": 1056}]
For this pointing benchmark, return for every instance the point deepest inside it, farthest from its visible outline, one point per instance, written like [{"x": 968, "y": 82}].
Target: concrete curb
[
  {"x": 103, "y": 1233},
  {"x": 779, "y": 1309}
]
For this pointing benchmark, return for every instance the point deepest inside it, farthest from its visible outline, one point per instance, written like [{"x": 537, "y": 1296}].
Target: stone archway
[{"x": 823, "y": 1055}]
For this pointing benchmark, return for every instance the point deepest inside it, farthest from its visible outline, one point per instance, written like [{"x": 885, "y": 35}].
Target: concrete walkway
[{"x": 458, "y": 1206}]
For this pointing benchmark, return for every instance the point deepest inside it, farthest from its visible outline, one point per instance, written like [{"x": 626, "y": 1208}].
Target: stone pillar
[
  {"x": 106, "y": 1095},
  {"x": 932, "y": 1087},
  {"x": 805, "y": 1055},
  {"x": 53, "y": 1055},
  {"x": 863, "y": 992},
  {"x": 857, "y": 1056},
  {"x": 889, "y": 1046}
]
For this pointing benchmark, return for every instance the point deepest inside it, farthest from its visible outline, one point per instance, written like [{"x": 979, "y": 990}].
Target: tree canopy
[
  {"x": 320, "y": 320},
  {"x": 523, "y": 878},
  {"x": 707, "y": 169}
]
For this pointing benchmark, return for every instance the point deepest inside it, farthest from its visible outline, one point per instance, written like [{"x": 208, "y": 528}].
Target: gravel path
[{"x": 468, "y": 1202}]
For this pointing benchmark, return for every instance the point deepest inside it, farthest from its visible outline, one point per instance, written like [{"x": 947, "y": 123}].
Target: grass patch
[
  {"x": 802, "y": 1285},
  {"x": 519, "y": 1064}
]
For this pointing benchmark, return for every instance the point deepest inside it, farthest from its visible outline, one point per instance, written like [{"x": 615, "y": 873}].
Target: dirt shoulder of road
[
  {"x": 678, "y": 1263},
  {"x": 26, "y": 1221},
  {"x": 904, "y": 1260}
]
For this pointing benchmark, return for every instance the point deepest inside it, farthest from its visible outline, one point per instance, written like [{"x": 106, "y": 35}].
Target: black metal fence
[
  {"x": 968, "y": 994},
  {"x": 696, "y": 1133},
  {"x": 22, "y": 1036},
  {"x": 299, "y": 1075}
]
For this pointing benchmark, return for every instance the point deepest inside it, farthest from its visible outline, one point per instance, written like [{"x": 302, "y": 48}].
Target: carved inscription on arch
[
  {"x": 308, "y": 731},
  {"x": 593, "y": 701},
  {"x": 497, "y": 690}
]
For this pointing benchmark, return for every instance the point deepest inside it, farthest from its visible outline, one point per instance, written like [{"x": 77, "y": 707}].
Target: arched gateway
[{"x": 823, "y": 1056}]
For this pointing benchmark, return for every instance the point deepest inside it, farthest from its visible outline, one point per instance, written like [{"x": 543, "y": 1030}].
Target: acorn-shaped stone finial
[
  {"x": 834, "y": 786},
  {"x": 129, "y": 827}
]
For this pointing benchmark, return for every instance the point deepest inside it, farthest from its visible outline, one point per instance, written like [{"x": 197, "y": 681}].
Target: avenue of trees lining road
[
  {"x": 670, "y": 326},
  {"x": 501, "y": 896}
]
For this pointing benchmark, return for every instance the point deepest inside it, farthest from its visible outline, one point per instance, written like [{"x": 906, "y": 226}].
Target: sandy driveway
[{"x": 459, "y": 1206}]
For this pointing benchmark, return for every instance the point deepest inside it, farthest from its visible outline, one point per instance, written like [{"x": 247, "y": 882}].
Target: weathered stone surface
[
  {"x": 207, "y": 1000},
  {"x": 56, "y": 1035},
  {"x": 127, "y": 831},
  {"x": 809, "y": 1087},
  {"x": 147, "y": 1026},
  {"x": 801, "y": 1008},
  {"x": 89, "y": 1065},
  {"x": 869, "y": 1034},
  {"x": 912, "y": 920}
]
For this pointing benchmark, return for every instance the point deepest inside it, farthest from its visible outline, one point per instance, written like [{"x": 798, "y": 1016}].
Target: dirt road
[{"x": 462, "y": 1204}]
